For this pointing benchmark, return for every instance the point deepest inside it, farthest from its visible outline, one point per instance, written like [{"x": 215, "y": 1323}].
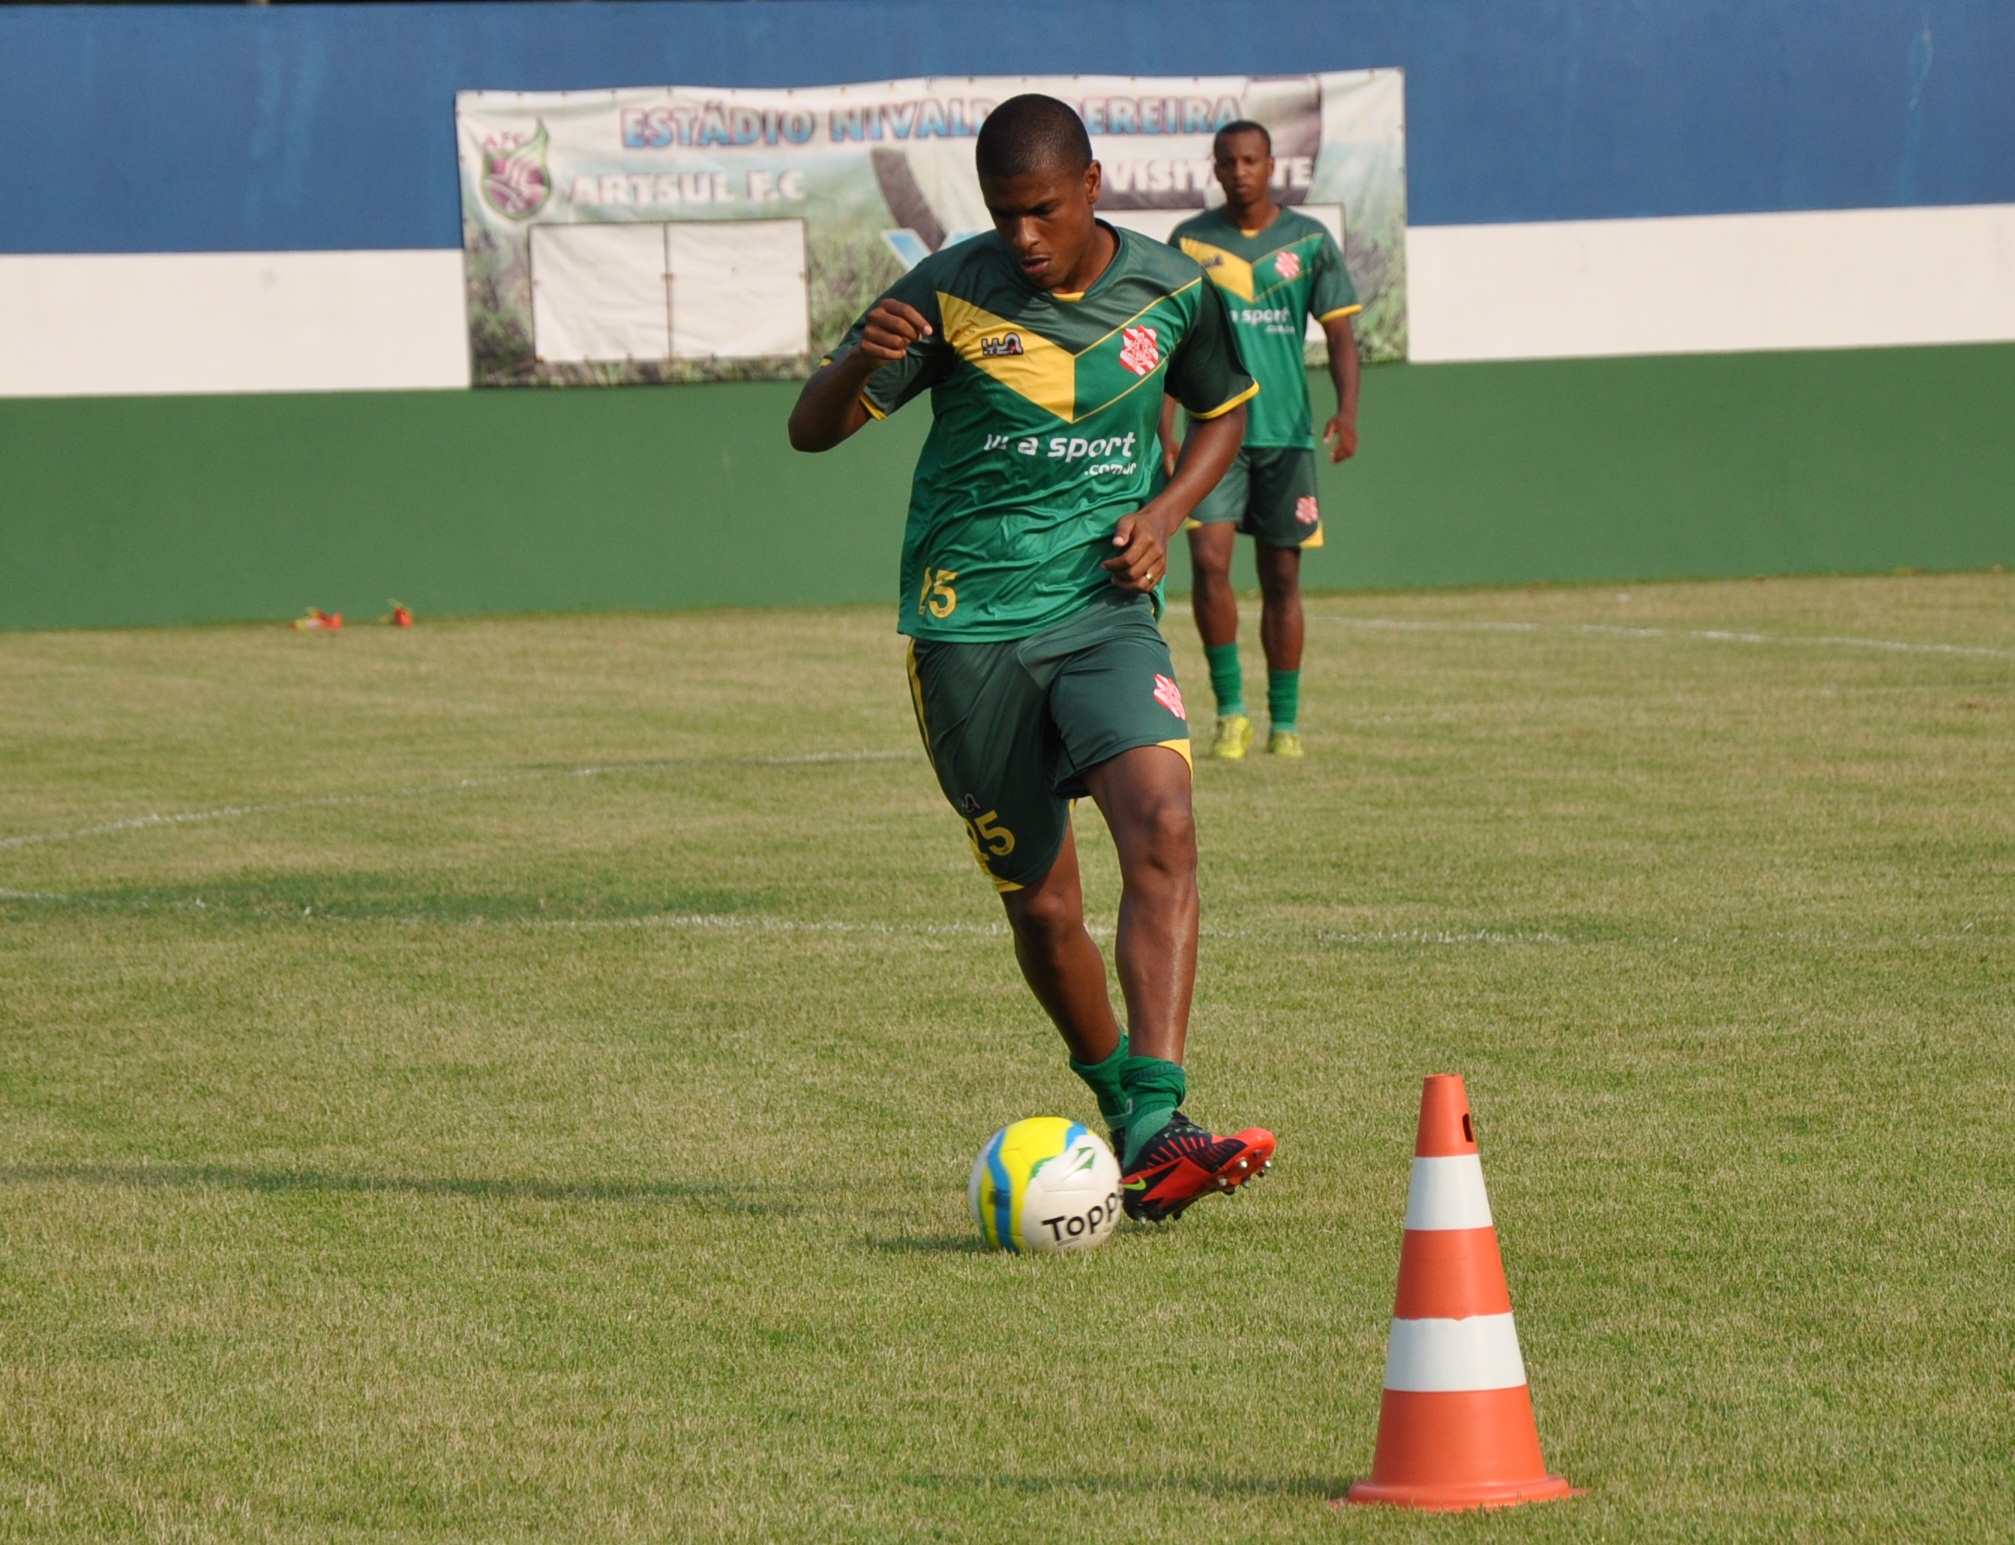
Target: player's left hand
[
  {"x": 1340, "y": 436},
  {"x": 1142, "y": 561}
]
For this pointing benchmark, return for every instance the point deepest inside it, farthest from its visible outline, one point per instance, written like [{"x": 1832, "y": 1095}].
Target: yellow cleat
[
  {"x": 1233, "y": 737},
  {"x": 1285, "y": 743}
]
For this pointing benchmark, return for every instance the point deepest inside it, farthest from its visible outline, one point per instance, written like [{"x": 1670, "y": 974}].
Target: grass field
[{"x": 516, "y": 1079}]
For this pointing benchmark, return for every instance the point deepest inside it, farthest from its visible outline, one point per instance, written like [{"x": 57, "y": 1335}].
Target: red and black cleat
[{"x": 1182, "y": 1162}]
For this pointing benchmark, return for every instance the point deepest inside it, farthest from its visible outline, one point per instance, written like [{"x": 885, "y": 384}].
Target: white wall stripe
[
  {"x": 1705, "y": 284},
  {"x": 1447, "y": 1193},
  {"x": 1438, "y": 1355},
  {"x": 131, "y": 324},
  {"x": 136, "y": 323}
]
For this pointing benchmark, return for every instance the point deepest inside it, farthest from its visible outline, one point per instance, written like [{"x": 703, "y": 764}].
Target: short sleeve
[
  {"x": 1332, "y": 295},
  {"x": 917, "y": 371},
  {"x": 1206, "y": 374}
]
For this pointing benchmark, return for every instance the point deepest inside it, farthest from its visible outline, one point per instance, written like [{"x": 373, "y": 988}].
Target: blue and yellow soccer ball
[{"x": 1043, "y": 1185}]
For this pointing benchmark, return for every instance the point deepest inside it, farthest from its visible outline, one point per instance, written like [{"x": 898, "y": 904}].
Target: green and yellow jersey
[
  {"x": 1045, "y": 407},
  {"x": 1272, "y": 281}
]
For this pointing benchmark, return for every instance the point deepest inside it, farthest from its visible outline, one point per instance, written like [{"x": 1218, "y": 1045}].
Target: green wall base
[{"x": 124, "y": 511}]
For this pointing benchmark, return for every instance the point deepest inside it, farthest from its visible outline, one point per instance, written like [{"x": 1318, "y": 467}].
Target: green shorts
[
  {"x": 1270, "y": 492},
  {"x": 1012, "y": 726}
]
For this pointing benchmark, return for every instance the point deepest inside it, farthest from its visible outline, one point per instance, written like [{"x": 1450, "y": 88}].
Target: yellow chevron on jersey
[
  {"x": 1014, "y": 354},
  {"x": 1226, "y": 269},
  {"x": 1051, "y": 375}
]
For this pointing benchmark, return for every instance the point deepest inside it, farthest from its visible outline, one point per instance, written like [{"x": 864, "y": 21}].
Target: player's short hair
[
  {"x": 1242, "y": 126},
  {"x": 1031, "y": 133}
]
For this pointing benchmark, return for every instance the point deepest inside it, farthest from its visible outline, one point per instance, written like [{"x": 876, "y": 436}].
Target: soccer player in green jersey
[
  {"x": 1276, "y": 267},
  {"x": 1031, "y": 563}
]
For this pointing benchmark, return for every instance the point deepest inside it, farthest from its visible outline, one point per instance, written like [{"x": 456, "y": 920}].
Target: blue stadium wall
[{"x": 1698, "y": 288}]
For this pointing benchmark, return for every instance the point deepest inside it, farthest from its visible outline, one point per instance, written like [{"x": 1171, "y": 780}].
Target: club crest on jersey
[
  {"x": 1287, "y": 265},
  {"x": 1139, "y": 350},
  {"x": 1305, "y": 510},
  {"x": 1006, "y": 343},
  {"x": 1169, "y": 695}
]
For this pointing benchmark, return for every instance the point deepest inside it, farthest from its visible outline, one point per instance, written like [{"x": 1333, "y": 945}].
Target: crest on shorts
[
  {"x": 1169, "y": 695},
  {"x": 1139, "y": 350},
  {"x": 1305, "y": 510},
  {"x": 1287, "y": 264},
  {"x": 969, "y": 805}
]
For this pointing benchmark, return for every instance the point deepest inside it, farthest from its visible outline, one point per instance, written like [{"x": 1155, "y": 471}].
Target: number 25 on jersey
[{"x": 937, "y": 596}]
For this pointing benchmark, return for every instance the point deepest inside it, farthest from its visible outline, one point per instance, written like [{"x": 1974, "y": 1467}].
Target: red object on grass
[{"x": 1455, "y": 1425}]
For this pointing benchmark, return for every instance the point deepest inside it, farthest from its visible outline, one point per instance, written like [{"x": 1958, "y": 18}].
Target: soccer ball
[{"x": 1043, "y": 1185}]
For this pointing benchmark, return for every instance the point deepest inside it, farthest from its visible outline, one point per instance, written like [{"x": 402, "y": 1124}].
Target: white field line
[
  {"x": 1381, "y": 624},
  {"x": 759, "y": 923},
  {"x": 720, "y": 922},
  {"x": 1612, "y": 630},
  {"x": 423, "y": 790},
  {"x": 1435, "y": 936},
  {"x": 742, "y": 922},
  {"x": 747, "y": 922}
]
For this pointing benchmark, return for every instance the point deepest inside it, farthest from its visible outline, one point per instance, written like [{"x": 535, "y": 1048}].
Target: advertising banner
[{"x": 686, "y": 234}]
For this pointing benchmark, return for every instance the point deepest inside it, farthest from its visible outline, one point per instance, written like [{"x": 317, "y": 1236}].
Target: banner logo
[
  {"x": 515, "y": 180},
  {"x": 1139, "y": 351},
  {"x": 1006, "y": 343}
]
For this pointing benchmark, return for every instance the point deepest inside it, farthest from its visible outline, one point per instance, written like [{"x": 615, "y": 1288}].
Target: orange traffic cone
[{"x": 1455, "y": 1429}]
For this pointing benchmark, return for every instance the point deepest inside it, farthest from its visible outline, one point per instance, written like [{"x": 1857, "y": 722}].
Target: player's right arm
[{"x": 834, "y": 403}]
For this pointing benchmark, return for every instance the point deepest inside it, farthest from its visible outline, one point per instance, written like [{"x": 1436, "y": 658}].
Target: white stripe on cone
[
  {"x": 1447, "y": 1193},
  {"x": 1480, "y": 1352}
]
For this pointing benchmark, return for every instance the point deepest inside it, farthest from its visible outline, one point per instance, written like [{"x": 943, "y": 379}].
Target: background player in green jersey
[
  {"x": 1276, "y": 267},
  {"x": 1032, "y": 558}
]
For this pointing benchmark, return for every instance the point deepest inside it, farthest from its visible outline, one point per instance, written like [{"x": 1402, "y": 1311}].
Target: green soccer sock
[
  {"x": 1154, "y": 1089},
  {"x": 1104, "y": 1079},
  {"x": 1226, "y": 680},
  {"x": 1283, "y": 701}
]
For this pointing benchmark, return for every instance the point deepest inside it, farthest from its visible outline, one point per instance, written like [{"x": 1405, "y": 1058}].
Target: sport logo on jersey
[
  {"x": 1139, "y": 351},
  {"x": 1169, "y": 695},
  {"x": 1305, "y": 510},
  {"x": 1006, "y": 343},
  {"x": 1287, "y": 265}
]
